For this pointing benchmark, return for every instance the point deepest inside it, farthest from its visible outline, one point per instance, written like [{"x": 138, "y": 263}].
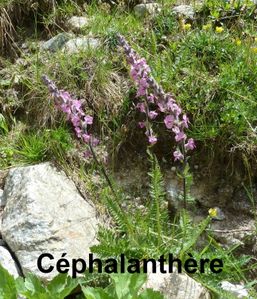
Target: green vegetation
[
  {"x": 208, "y": 63},
  {"x": 125, "y": 286}
]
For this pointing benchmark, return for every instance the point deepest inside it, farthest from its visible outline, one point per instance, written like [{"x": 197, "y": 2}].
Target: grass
[{"x": 211, "y": 74}]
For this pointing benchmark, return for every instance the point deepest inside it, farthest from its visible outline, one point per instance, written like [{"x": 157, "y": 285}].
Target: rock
[
  {"x": 241, "y": 202},
  {"x": 142, "y": 10},
  {"x": 79, "y": 44},
  {"x": 77, "y": 23},
  {"x": 187, "y": 11},
  {"x": 57, "y": 42},
  {"x": 45, "y": 213},
  {"x": 7, "y": 262},
  {"x": 237, "y": 290},
  {"x": 235, "y": 230},
  {"x": 175, "y": 285},
  {"x": 2, "y": 203}
]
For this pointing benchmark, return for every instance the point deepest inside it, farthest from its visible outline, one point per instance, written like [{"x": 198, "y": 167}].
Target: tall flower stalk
[
  {"x": 154, "y": 102},
  {"x": 80, "y": 121}
]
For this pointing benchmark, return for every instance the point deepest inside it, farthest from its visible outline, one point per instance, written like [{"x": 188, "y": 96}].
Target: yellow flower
[
  {"x": 186, "y": 26},
  {"x": 216, "y": 213},
  {"x": 207, "y": 27},
  {"x": 254, "y": 49},
  {"x": 219, "y": 29},
  {"x": 238, "y": 42},
  {"x": 255, "y": 39},
  {"x": 213, "y": 212}
]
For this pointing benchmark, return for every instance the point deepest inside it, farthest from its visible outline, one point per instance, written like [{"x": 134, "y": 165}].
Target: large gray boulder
[
  {"x": 45, "y": 213},
  {"x": 7, "y": 262},
  {"x": 175, "y": 285}
]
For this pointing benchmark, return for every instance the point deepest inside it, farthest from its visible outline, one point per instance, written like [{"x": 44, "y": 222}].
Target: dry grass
[
  {"x": 110, "y": 95},
  {"x": 7, "y": 30},
  {"x": 15, "y": 13}
]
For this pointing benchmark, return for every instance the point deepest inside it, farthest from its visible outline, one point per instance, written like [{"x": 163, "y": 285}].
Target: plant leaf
[{"x": 7, "y": 285}]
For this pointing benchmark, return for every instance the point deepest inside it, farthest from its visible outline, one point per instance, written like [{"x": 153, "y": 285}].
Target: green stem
[
  {"x": 103, "y": 171},
  {"x": 184, "y": 176}
]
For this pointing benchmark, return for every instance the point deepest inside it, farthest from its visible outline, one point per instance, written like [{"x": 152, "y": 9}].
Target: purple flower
[
  {"x": 152, "y": 114},
  {"x": 141, "y": 124},
  {"x": 75, "y": 120},
  {"x": 156, "y": 100},
  {"x": 72, "y": 108},
  {"x": 173, "y": 107},
  {"x": 141, "y": 91},
  {"x": 65, "y": 108},
  {"x": 185, "y": 121},
  {"x": 162, "y": 106},
  {"x": 134, "y": 74},
  {"x": 65, "y": 96},
  {"x": 78, "y": 131},
  {"x": 76, "y": 104},
  {"x": 180, "y": 136},
  {"x": 190, "y": 145},
  {"x": 152, "y": 139},
  {"x": 176, "y": 129},
  {"x": 169, "y": 121},
  {"x": 178, "y": 155},
  {"x": 94, "y": 141},
  {"x": 86, "y": 138},
  {"x": 88, "y": 120},
  {"x": 87, "y": 154},
  {"x": 150, "y": 98},
  {"x": 141, "y": 107}
]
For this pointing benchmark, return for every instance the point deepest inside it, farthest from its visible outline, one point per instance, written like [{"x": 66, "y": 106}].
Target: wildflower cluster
[
  {"x": 156, "y": 102},
  {"x": 72, "y": 107}
]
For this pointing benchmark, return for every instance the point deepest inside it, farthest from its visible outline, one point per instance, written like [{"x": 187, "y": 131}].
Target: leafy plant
[
  {"x": 7, "y": 285},
  {"x": 123, "y": 286},
  {"x": 148, "y": 233},
  {"x": 3, "y": 125},
  {"x": 32, "y": 148}
]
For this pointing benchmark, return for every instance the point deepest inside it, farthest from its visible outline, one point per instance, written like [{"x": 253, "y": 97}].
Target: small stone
[
  {"x": 76, "y": 23},
  {"x": 186, "y": 11},
  {"x": 79, "y": 44},
  {"x": 7, "y": 262},
  {"x": 237, "y": 290},
  {"x": 142, "y": 10},
  {"x": 57, "y": 42},
  {"x": 173, "y": 168}
]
